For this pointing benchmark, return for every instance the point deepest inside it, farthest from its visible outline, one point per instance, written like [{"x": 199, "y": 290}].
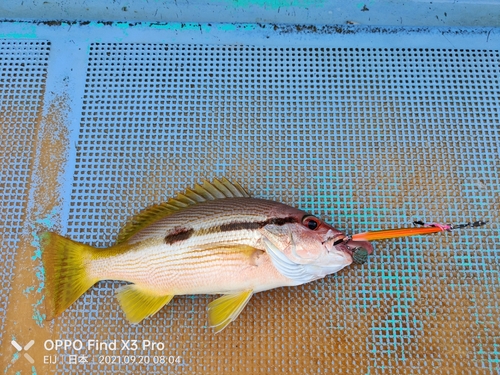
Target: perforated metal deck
[{"x": 369, "y": 129}]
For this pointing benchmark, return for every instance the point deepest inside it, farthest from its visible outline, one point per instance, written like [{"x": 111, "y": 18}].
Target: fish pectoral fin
[
  {"x": 247, "y": 250},
  {"x": 138, "y": 304},
  {"x": 225, "y": 309}
]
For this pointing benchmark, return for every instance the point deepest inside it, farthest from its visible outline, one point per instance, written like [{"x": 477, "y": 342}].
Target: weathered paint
[
  {"x": 275, "y": 4},
  {"x": 331, "y": 12}
]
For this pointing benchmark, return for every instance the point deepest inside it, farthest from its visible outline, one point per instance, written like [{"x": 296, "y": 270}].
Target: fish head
[{"x": 308, "y": 240}]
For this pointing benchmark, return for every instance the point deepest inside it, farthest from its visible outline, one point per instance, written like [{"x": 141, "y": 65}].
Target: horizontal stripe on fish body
[
  {"x": 182, "y": 234},
  {"x": 189, "y": 246},
  {"x": 214, "y": 214},
  {"x": 198, "y": 249},
  {"x": 179, "y": 234},
  {"x": 192, "y": 270},
  {"x": 235, "y": 226}
]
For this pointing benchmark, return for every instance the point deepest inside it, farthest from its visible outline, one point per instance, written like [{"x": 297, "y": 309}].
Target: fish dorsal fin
[{"x": 208, "y": 191}]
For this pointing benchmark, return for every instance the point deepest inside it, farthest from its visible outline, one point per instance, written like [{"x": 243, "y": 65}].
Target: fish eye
[{"x": 311, "y": 222}]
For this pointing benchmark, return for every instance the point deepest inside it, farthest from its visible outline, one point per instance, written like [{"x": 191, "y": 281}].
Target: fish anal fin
[
  {"x": 218, "y": 189},
  {"x": 226, "y": 309},
  {"x": 138, "y": 304}
]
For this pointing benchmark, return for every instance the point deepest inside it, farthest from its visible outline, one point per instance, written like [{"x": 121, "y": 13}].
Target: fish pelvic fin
[
  {"x": 138, "y": 304},
  {"x": 66, "y": 275},
  {"x": 226, "y": 309}
]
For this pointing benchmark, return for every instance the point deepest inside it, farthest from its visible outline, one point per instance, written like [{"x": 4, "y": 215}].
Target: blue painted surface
[{"x": 331, "y": 12}]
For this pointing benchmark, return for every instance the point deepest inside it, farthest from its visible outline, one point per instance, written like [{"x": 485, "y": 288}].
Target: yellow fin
[
  {"x": 138, "y": 304},
  {"x": 237, "y": 248},
  {"x": 225, "y": 309},
  {"x": 199, "y": 194},
  {"x": 66, "y": 277},
  {"x": 248, "y": 253}
]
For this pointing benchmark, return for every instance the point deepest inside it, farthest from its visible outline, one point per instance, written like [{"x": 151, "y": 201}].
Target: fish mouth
[
  {"x": 343, "y": 242},
  {"x": 353, "y": 245},
  {"x": 359, "y": 250},
  {"x": 346, "y": 243}
]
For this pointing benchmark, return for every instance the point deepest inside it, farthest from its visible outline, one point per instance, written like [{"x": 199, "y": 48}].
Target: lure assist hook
[
  {"x": 424, "y": 228},
  {"x": 360, "y": 255}
]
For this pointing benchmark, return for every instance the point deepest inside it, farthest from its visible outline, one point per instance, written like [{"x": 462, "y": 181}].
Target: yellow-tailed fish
[{"x": 212, "y": 239}]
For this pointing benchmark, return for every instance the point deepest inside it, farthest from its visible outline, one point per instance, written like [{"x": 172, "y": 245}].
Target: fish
[{"x": 211, "y": 239}]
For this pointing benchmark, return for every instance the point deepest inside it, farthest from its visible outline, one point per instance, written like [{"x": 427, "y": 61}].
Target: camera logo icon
[{"x": 19, "y": 348}]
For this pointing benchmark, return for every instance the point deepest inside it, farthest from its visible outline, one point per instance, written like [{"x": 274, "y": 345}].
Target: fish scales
[
  {"x": 157, "y": 266},
  {"x": 213, "y": 239},
  {"x": 213, "y": 214}
]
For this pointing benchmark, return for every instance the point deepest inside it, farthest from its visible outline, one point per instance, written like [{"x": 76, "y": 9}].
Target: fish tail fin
[{"x": 66, "y": 274}]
